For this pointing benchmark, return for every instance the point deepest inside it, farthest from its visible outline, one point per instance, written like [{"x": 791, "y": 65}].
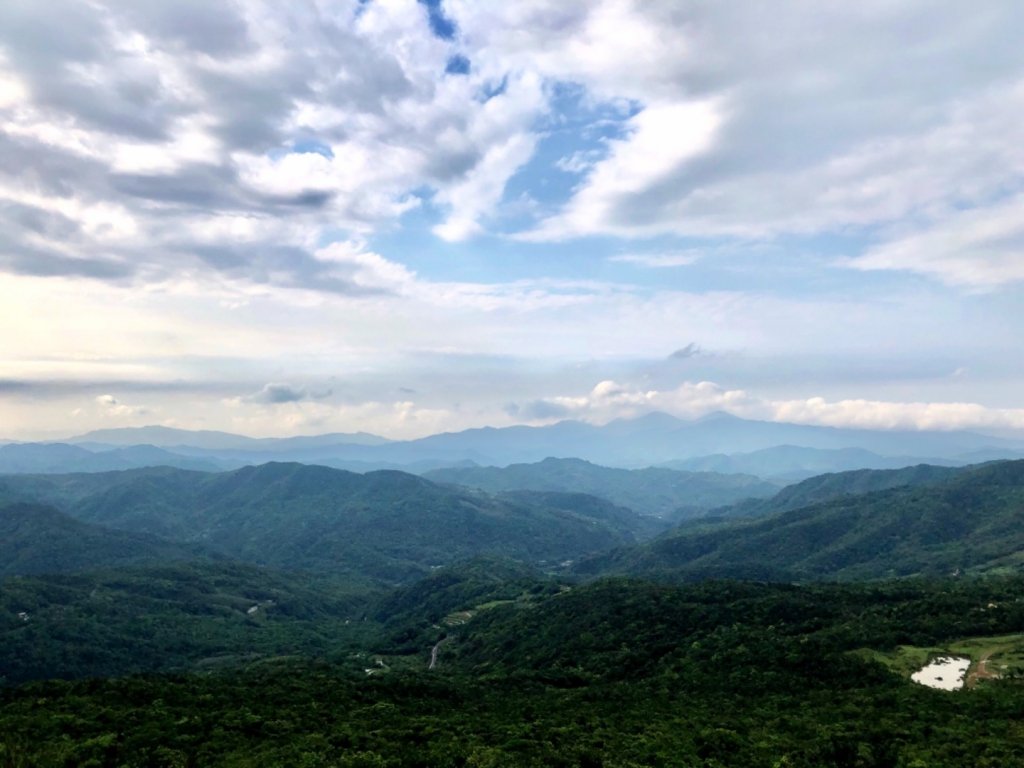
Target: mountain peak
[{"x": 652, "y": 420}]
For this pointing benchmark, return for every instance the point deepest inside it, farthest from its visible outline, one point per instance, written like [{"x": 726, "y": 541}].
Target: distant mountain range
[
  {"x": 49, "y": 458},
  {"x": 718, "y": 442},
  {"x": 169, "y": 437},
  {"x": 790, "y": 463}
]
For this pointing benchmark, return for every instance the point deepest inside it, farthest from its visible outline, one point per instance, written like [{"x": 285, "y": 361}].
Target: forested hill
[
  {"x": 835, "y": 485},
  {"x": 653, "y": 491},
  {"x": 39, "y": 539},
  {"x": 389, "y": 525},
  {"x": 631, "y": 629},
  {"x": 170, "y": 617},
  {"x": 972, "y": 521}
]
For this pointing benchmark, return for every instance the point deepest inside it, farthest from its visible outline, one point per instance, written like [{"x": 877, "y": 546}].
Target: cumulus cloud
[
  {"x": 400, "y": 419},
  {"x": 610, "y": 400},
  {"x": 873, "y": 414},
  {"x": 110, "y": 406}
]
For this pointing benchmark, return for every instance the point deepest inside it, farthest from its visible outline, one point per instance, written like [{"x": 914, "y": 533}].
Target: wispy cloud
[
  {"x": 658, "y": 260},
  {"x": 980, "y": 248}
]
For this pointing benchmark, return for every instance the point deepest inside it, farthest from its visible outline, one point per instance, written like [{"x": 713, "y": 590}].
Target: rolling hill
[
  {"x": 388, "y": 525},
  {"x": 835, "y": 485},
  {"x": 38, "y": 539},
  {"x": 652, "y": 491},
  {"x": 168, "y": 617}
]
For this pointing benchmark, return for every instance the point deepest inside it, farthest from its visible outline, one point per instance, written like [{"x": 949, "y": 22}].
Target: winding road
[{"x": 434, "y": 650}]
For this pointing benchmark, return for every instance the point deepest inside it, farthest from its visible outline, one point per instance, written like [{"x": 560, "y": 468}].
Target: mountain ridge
[
  {"x": 390, "y": 525},
  {"x": 654, "y": 491},
  {"x": 652, "y": 439},
  {"x": 971, "y": 520}
]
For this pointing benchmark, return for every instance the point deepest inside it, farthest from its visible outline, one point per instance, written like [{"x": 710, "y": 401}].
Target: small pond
[{"x": 944, "y": 672}]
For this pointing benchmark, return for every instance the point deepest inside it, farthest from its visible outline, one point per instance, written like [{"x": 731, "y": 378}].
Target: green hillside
[
  {"x": 971, "y": 521},
  {"x": 170, "y": 617},
  {"x": 629, "y": 629},
  {"x": 835, "y": 485},
  {"x": 623, "y": 520},
  {"x": 39, "y": 539}
]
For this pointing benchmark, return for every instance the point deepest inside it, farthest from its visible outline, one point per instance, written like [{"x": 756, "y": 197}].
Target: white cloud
[
  {"x": 12, "y": 90},
  {"x": 480, "y": 192},
  {"x": 658, "y": 260},
  {"x": 981, "y": 248},
  {"x": 661, "y": 139},
  {"x": 732, "y": 131},
  {"x": 610, "y": 400},
  {"x": 111, "y": 407},
  {"x": 814, "y": 130},
  {"x": 365, "y": 268},
  {"x": 397, "y": 419},
  {"x": 578, "y": 162}
]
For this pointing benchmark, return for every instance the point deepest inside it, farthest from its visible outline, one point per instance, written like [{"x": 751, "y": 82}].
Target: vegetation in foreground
[{"x": 615, "y": 673}]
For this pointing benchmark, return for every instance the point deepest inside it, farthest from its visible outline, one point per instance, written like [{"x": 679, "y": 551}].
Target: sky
[{"x": 408, "y": 217}]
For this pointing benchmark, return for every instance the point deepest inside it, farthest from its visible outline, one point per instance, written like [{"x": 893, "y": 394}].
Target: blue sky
[{"x": 404, "y": 217}]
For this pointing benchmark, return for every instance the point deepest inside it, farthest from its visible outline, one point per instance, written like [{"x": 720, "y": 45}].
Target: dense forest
[{"x": 615, "y": 673}]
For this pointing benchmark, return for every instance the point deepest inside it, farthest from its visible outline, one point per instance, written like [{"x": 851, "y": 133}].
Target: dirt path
[{"x": 980, "y": 671}]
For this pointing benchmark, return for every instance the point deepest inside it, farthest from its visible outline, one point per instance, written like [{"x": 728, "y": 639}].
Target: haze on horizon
[{"x": 407, "y": 217}]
